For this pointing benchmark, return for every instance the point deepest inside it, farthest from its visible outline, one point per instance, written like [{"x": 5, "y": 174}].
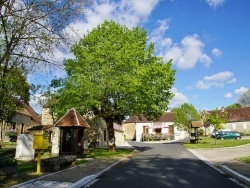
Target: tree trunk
[
  {"x": 1, "y": 130},
  {"x": 111, "y": 136}
]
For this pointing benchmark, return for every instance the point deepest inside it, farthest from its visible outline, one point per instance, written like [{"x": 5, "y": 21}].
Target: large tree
[
  {"x": 30, "y": 30},
  {"x": 244, "y": 99},
  {"x": 115, "y": 74},
  {"x": 184, "y": 115}
]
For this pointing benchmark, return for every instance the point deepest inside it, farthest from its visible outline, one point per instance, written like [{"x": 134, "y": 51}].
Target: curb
[
  {"x": 223, "y": 169},
  {"x": 235, "y": 175}
]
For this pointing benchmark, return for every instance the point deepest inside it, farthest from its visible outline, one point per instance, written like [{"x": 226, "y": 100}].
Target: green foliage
[
  {"x": 217, "y": 118},
  {"x": 7, "y": 161},
  {"x": 184, "y": 115},
  {"x": 26, "y": 167},
  {"x": 104, "y": 153},
  {"x": 155, "y": 137},
  {"x": 115, "y": 74},
  {"x": 201, "y": 132},
  {"x": 245, "y": 159},
  {"x": 14, "y": 88},
  {"x": 235, "y": 105}
]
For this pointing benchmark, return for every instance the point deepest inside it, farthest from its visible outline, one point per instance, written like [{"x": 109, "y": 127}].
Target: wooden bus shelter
[
  {"x": 72, "y": 126},
  {"x": 194, "y": 136}
]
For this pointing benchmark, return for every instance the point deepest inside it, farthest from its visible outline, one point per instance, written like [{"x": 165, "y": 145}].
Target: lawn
[{"x": 208, "y": 142}]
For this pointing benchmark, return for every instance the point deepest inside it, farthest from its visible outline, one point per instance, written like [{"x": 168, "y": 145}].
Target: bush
[
  {"x": 201, "y": 132},
  {"x": 6, "y": 161},
  {"x": 245, "y": 133}
]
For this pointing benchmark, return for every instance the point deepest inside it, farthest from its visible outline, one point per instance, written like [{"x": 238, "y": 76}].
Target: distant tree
[
  {"x": 184, "y": 115},
  {"x": 235, "y": 105},
  {"x": 204, "y": 117},
  {"x": 217, "y": 118},
  {"x": 115, "y": 74},
  {"x": 244, "y": 99}
]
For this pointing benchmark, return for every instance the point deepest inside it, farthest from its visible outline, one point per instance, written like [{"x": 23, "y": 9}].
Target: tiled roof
[
  {"x": 28, "y": 111},
  {"x": 24, "y": 112},
  {"x": 238, "y": 114},
  {"x": 72, "y": 119},
  {"x": 166, "y": 117}
]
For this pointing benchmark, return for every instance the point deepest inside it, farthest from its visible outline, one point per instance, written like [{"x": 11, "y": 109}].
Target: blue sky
[{"x": 208, "y": 40}]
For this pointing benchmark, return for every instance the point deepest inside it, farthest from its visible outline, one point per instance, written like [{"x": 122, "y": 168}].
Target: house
[
  {"x": 25, "y": 119},
  {"x": 97, "y": 134},
  {"x": 119, "y": 135},
  {"x": 136, "y": 127},
  {"x": 238, "y": 119}
]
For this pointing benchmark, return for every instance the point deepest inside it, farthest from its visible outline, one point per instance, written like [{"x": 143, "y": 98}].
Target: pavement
[{"x": 223, "y": 160}]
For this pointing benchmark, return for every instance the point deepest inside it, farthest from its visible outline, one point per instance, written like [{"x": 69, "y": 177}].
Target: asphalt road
[{"x": 162, "y": 165}]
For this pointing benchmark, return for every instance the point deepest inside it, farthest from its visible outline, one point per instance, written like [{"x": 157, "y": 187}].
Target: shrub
[
  {"x": 201, "y": 132},
  {"x": 6, "y": 161}
]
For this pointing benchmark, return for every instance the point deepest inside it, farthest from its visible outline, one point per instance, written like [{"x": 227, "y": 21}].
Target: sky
[{"x": 208, "y": 41}]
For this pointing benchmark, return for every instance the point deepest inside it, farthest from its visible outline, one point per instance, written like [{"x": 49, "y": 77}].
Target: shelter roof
[
  {"x": 72, "y": 119},
  {"x": 196, "y": 124}
]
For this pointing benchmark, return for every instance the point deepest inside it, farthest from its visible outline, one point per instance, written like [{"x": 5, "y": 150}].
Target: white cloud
[
  {"x": 221, "y": 77},
  {"x": 215, "y": 3},
  {"x": 240, "y": 91},
  {"x": 216, "y": 52},
  {"x": 178, "y": 99},
  {"x": 234, "y": 80},
  {"x": 228, "y": 96},
  {"x": 126, "y": 12},
  {"x": 157, "y": 34},
  {"x": 216, "y": 80},
  {"x": 188, "y": 54}
]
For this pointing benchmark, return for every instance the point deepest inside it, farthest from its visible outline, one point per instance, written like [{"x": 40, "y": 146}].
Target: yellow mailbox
[{"x": 40, "y": 141}]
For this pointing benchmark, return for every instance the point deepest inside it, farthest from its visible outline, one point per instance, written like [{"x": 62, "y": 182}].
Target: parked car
[
  {"x": 228, "y": 135},
  {"x": 215, "y": 133}
]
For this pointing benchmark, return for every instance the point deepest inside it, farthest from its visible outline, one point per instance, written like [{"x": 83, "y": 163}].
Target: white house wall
[
  {"x": 165, "y": 130},
  {"x": 139, "y": 130},
  {"x": 179, "y": 134},
  {"x": 243, "y": 127}
]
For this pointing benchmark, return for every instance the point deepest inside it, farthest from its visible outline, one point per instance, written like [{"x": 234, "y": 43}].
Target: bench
[{"x": 55, "y": 163}]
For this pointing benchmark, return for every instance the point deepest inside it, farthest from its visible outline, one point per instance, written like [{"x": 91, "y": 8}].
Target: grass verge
[
  {"x": 208, "y": 142},
  {"x": 244, "y": 159}
]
